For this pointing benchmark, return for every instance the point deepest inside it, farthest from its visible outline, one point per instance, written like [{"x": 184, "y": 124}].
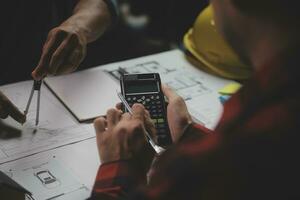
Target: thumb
[
  {"x": 15, "y": 113},
  {"x": 168, "y": 92}
]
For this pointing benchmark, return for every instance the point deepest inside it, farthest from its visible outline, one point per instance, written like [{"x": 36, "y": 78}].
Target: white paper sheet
[
  {"x": 80, "y": 159},
  {"x": 87, "y": 94},
  {"x": 48, "y": 178},
  {"x": 56, "y": 127}
]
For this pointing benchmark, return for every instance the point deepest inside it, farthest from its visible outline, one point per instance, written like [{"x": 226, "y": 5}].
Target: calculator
[{"x": 146, "y": 89}]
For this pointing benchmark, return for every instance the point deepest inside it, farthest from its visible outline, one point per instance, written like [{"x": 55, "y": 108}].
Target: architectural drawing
[
  {"x": 48, "y": 178},
  {"x": 184, "y": 83},
  {"x": 56, "y": 127}
]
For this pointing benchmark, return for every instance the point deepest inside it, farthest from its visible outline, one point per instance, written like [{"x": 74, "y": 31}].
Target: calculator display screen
[{"x": 141, "y": 87}]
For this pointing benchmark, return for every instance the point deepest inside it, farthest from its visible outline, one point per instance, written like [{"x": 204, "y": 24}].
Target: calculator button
[
  {"x": 154, "y": 115},
  {"x": 161, "y": 126},
  {"x": 151, "y": 97},
  {"x": 161, "y": 131},
  {"x": 143, "y": 98},
  {"x": 158, "y": 102},
  {"x": 128, "y": 98},
  {"x": 134, "y": 98},
  {"x": 139, "y": 100},
  {"x": 154, "y": 121},
  {"x": 161, "y": 136},
  {"x": 160, "y": 120}
]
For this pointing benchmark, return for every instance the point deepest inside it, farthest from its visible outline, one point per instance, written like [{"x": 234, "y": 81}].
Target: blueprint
[
  {"x": 56, "y": 127},
  {"x": 48, "y": 178}
]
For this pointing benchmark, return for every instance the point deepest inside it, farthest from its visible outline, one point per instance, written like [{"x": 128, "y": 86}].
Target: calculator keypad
[{"x": 153, "y": 104}]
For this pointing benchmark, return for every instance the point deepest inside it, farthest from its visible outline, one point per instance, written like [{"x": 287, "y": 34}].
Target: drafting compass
[{"x": 36, "y": 87}]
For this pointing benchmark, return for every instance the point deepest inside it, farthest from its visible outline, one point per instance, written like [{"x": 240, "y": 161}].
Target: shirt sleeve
[
  {"x": 113, "y": 7},
  {"x": 116, "y": 179},
  {"x": 193, "y": 131}
]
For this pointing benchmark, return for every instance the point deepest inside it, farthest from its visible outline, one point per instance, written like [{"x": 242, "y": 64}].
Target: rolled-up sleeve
[{"x": 113, "y": 6}]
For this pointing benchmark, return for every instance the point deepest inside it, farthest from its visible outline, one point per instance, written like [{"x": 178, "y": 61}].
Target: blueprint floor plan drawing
[{"x": 56, "y": 127}]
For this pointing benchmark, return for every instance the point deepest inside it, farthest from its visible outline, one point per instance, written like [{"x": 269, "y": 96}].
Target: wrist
[
  {"x": 89, "y": 24},
  {"x": 74, "y": 28},
  {"x": 92, "y": 19}
]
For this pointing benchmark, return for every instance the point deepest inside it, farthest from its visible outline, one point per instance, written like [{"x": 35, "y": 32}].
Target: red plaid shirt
[{"x": 252, "y": 154}]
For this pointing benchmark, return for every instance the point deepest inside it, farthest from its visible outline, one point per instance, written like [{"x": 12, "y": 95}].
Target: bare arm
[
  {"x": 91, "y": 18},
  {"x": 65, "y": 47}
]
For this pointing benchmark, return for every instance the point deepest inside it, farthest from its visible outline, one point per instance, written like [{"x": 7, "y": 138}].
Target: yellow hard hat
[{"x": 211, "y": 51}]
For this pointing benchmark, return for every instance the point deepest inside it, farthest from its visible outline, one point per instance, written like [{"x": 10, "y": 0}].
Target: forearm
[{"x": 91, "y": 18}]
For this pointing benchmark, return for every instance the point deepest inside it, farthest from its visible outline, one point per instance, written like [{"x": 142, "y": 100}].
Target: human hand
[
  {"x": 177, "y": 113},
  {"x": 7, "y": 108},
  {"x": 63, "y": 51},
  {"x": 122, "y": 136}
]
